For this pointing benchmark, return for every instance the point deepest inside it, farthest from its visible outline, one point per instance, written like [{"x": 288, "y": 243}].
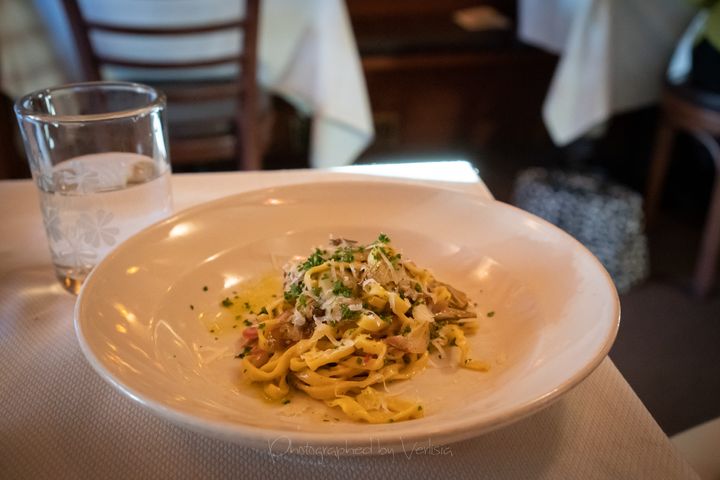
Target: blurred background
[{"x": 596, "y": 114}]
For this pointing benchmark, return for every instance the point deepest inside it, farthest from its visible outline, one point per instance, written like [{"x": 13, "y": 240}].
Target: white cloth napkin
[
  {"x": 312, "y": 59},
  {"x": 614, "y": 59},
  {"x": 546, "y": 23}
]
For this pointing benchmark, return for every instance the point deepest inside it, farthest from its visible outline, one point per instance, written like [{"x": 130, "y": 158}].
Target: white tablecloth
[
  {"x": 59, "y": 419},
  {"x": 306, "y": 53},
  {"x": 614, "y": 56}
]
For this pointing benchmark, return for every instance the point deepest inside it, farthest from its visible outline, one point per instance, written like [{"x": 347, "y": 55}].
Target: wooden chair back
[
  {"x": 697, "y": 113},
  {"x": 12, "y": 163},
  {"x": 240, "y": 145}
]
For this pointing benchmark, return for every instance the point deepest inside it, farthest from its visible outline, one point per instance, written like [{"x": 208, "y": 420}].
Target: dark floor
[{"x": 668, "y": 346}]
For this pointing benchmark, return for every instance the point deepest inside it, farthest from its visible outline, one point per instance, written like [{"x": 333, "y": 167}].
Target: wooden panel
[
  {"x": 425, "y": 26},
  {"x": 199, "y": 92},
  {"x": 376, "y": 8},
  {"x": 12, "y": 164},
  {"x": 185, "y": 151},
  {"x": 468, "y": 102}
]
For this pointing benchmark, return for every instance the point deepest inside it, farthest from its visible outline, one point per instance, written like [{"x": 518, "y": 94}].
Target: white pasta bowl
[{"x": 142, "y": 317}]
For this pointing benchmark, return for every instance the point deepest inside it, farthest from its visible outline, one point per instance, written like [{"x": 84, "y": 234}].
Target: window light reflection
[
  {"x": 482, "y": 271},
  {"x": 125, "y": 313},
  {"x": 231, "y": 281},
  {"x": 460, "y": 171},
  {"x": 533, "y": 224},
  {"x": 180, "y": 230}
]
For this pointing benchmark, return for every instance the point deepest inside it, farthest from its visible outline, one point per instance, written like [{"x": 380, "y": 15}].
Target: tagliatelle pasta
[{"x": 354, "y": 318}]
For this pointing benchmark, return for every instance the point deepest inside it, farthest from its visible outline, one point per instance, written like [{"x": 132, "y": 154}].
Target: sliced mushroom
[
  {"x": 458, "y": 299},
  {"x": 454, "y": 314},
  {"x": 339, "y": 241}
]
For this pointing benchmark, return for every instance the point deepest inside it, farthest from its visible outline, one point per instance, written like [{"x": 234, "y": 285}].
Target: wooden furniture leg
[
  {"x": 707, "y": 259},
  {"x": 658, "y": 169}
]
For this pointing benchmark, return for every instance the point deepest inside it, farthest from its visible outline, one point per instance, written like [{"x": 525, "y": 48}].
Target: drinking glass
[{"x": 98, "y": 155}]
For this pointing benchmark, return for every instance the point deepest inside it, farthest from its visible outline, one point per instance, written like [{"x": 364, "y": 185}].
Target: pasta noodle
[{"x": 354, "y": 318}]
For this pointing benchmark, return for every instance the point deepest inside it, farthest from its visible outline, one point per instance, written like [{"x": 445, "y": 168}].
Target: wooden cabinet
[{"x": 435, "y": 86}]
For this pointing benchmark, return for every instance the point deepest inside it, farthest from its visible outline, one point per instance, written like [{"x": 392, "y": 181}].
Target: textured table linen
[{"x": 59, "y": 419}]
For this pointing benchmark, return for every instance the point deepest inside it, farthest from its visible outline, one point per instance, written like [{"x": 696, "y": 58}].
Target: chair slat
[
  {"x": 159, "y": 30},
  {"x": 123, "y": 62},
  {"x": 200, "y": 93}
]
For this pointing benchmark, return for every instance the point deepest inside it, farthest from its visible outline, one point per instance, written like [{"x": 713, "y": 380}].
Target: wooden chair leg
[
  {"x": 658, "y": 169},
  {"x": 707, "y": 259}
]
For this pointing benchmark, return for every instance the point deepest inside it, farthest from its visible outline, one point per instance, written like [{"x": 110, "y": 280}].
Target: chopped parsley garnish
[
  {"x": 227, "y": 303},
  {"x": 302, "y": 300},
  {"x": 343, "y": 254},
  {"x": 294, "y": 291},
  {"x": 263, "y": 311},
  {"x": 382, "y": 238},
  {"x": 359, "y": 361},
  {"x": 346, "y": 313},
  {"x": 247, "y": 305},
  {"x": 394, "y": 260},
  {"x": 261, "y": 326},
  {"x": 313, "y": 260},
  {"x": 316, "y": 291},
  {"x": 406, "y": 329},
  {"x": 242, "y": 354},
  {"x": 247, "y": 322},
  {"x": 418, "y": 288},
  {"x": 340, "y": 289},
  {"x": 491, "y": 313}
]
